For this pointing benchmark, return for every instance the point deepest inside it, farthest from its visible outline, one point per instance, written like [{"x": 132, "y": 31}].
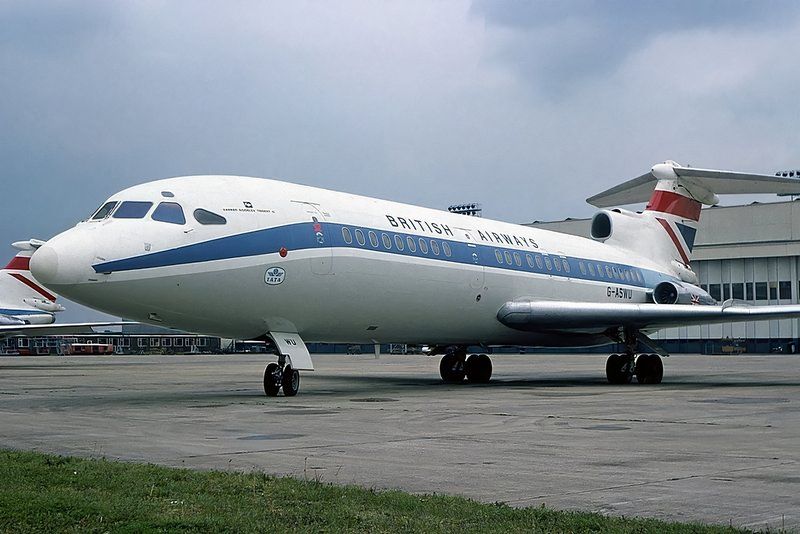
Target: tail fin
[
  {"x": 20, "y": 293},
  {"x": 666, "y": 230}
]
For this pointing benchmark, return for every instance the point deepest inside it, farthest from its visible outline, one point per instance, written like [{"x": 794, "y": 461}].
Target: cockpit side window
[
  {"x": 131, "y": 209},
  {"x": 104, "y": 210},
  {"x": 170, "y": 212},
  {"x": 207, "y": 217}
]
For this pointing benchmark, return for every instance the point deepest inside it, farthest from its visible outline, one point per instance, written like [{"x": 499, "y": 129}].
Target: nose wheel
[{"x": 277, "y": 377}]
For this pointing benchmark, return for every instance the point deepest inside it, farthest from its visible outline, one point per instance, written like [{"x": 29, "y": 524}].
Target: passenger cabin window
[
  {"x": 104, "y": 211},
  {"x": 208, "y": 217},
  {"x": 423, "y": 246},
  {"x": 360, "y": 237},
  {"x": 498, "y": 255},
  {"x": 132, "y": 209},
  {"x": 387, "y": 241},
  {"x": 346, "y": 235},
  {"x": 446, "y": 249},
  {"x": 398, "y": 242},
  {"x": 373, "y": 239},
  {"x": 434, "y": 247},
  {"x": 412, "y": 245},
  {"x": 169, "y": 212}
]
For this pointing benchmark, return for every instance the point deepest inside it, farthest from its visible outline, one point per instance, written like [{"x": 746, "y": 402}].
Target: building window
[
  {"x": 726, "y": 291},
  {"x": 398, "y": 242},
  {"x": 714, "y": 291},
  {"x": 166, "y": 342},
  {"x": 346, "y": 235},
  {"x": 737, "y": 291},
  {"x": 748, "y": 287},
  {"x": 785, "y": 290},
  {"x": 202, "y": 342},
  {"x": 773, "y": 291},
  {"x": 761, "y": 291}
]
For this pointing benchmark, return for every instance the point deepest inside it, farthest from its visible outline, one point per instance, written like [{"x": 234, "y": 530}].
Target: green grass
[{"x": 42, "y": 493}]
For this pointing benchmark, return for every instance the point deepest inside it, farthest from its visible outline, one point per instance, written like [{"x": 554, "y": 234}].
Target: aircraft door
[
  {"x": 477, "y": 273},
  {"x": 319, "y": 232}
]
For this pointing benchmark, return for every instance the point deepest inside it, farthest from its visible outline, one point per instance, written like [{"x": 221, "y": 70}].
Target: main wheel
[
  {"x": 272, "y": 380},
  {"x": 451, "y": 368},
  {"x": 478, "y": 368},
  {"x": 290, "y": 381},
  {"x": 649, "y": 369},
  {"x": 619, "y": 369}
]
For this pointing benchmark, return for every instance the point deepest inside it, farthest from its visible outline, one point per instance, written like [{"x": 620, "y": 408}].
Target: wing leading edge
[{"x": 549, "y": 316}]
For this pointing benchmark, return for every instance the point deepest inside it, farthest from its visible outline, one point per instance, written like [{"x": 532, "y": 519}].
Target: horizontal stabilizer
[
  {"x": 59, "y": 329},
  {"x": 549, "y": 316},
  {"x": 717, "y": 182}
]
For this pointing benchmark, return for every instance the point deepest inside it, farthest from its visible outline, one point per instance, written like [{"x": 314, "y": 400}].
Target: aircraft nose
[
  {"x": 44, "y": 264},
  {"x": 65, "y": 260}
]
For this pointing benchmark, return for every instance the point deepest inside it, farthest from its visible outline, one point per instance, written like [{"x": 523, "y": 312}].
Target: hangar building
[{"x": 749, "y": 253}]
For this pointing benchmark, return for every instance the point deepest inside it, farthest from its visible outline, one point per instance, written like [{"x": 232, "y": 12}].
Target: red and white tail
[
  {"x": 20, "y": 294},
  {"x": 665, "y": 231}
]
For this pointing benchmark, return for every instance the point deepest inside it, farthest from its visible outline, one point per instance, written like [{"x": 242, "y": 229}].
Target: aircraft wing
[
  {"x": 532, "y": 315},
  {"x": 56, "y": 329}
]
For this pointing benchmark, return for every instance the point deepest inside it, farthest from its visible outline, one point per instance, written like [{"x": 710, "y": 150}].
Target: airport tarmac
[{"x": 717, "y": 442}]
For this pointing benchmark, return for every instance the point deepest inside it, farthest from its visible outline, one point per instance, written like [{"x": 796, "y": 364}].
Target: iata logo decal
[{"x": 274, "y": 276}]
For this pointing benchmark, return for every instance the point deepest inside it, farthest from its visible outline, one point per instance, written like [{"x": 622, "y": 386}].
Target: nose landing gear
[{"x": 277, "y": 377}]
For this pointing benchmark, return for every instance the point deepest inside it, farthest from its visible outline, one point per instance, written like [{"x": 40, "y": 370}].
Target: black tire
[
  {"x": 272, "y": 380},
  {"x": 451, "y": 368},
  {"x": 649, "y": 369},
  {"x": 290, "y": 381},
  {"x": 618, "y": 369},
  {"x": 478, "y": 368}
]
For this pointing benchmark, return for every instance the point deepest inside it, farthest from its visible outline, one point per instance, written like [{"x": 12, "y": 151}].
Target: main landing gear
[
  {"x": 279, "y": 376},
  {"x": 621, "y": 368},
  {"x": 456, "y": 365}
]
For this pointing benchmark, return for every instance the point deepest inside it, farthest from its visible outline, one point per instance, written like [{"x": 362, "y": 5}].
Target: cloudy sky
[{"x": 527, "y": 107}]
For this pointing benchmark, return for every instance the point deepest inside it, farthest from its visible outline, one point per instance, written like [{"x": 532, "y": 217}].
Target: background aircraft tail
[
  {"x": 21, "y": 296},
  {"x": 665, "y": 231}
]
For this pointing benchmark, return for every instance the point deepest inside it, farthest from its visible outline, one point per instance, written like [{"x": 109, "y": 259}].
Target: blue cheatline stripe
[
  {"x": 304, "y": 236},
  {"x": 5, "y": 311}
]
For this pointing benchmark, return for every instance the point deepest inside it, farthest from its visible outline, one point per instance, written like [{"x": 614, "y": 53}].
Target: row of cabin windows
[
  {"x": 395, "y": 241},
  {"x": 750, "y": 290},
  {"x": 169, "y": 212},
  {"x": 543, "y": 261}
]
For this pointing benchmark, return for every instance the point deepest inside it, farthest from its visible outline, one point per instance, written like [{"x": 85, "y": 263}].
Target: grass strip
[{"x": 45, "y": 493}]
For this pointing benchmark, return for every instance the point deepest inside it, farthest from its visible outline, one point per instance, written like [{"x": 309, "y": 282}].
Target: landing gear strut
[
  {"x": 279, "y": 376},
  {"x": 620, "y": 368},
  {"x": 455, "y": 366}
]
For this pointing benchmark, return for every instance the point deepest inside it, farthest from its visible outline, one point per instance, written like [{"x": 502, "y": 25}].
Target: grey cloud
[{"x": 558, "y": 46}]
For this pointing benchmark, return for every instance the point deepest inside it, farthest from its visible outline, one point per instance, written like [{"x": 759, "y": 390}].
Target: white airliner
[
  {"x": 28, "y": 308},
  {"x": 252, "y": 258}
]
